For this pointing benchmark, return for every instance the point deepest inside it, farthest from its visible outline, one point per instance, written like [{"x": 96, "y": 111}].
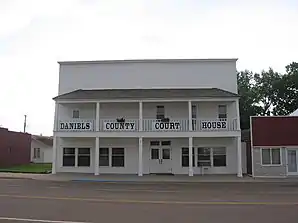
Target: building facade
[
  {"x": 148, "y": 117},
  {"x": 14, "y": 148},
  {"x": 274, "y": 144},
  {"x": 41, "y": 149}
]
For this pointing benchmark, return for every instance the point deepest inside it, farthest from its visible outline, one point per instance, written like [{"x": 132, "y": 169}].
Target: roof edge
[{"x": 146, "y": 61}]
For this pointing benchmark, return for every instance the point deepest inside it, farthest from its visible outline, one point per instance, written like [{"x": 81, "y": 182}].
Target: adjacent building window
[
  {"x": 194, "y": 112},
  {"x": 222, "y": 111},
  {"x": 69, "y": 156},
  {"x": 117, "y": 157},
  {"x": 271, "y": 156},
  {"x": 160, "y": 112},
  {"x": 36, "y": 153},
  {"x": 83, "y": 156},
  {"x": 104, "y": 159},
  {"x": 219, "y": 156},
  {"x": 204, "y": 157},
  {"x": 185, "y": 157},
  {"x": 76, "y": 114}
]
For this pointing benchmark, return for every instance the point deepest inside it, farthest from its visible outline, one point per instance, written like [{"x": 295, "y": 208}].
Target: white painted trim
[
  {"x": 54, "y": 155},
  {"x": 227, "y": 99},
  {"x": 140, "y": 169},
  {"x": 238, "y": 114},
  {"x": 96, "y": 163},
  {"x": 56, "y": 119},
  {"x": 271, "y": 165},
  {"x": 189, "y": 116},
  {"x": 239, "y": 157},
  {"x": 140, "y": 116},
  {"x": 251, "y": 148},
  {"x": 190, "y": 166},
  {"x": 97, "y": 116}
]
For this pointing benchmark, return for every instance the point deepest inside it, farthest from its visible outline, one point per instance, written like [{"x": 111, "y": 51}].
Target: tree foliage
[{"x": 267, "y": 93}]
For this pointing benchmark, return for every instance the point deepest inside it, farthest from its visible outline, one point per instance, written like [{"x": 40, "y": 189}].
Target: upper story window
[
  {"x": 160, "y": 112},
  {"x": 222, "y": 111},
  {"x": 194, "y": 112},
  {"x": 76, "y": 114}
]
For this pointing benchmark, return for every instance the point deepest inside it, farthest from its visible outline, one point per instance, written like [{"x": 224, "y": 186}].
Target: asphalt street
[{"x": 24, "y": 200}]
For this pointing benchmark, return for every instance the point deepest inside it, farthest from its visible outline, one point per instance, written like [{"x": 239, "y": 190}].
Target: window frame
[
  {"x": 76, "y": 155},
  {"x": 158, "y": 113},
  {"x": 270, "y": 153},
  {"x": 35, "y": 153},
  {"x": 193, "y": 156},
  {"x": 72, "y": 155},
  {"x": 117, "y": 155},
  {"x": 78, "y": 112},
  {"x": 219, "y": 112},
  {"x": 110, "y": 156},
  {"x": 83, "y": 155}
]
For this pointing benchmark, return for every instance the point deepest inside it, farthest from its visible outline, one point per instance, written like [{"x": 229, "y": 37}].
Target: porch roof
[{"x": 179, "y": 93}]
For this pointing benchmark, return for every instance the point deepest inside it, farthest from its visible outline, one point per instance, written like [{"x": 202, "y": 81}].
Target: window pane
[
  {"x": 104, "y": 160},
  {"x": 219, "y": 151},
  {"x": 154, "y": 154},
  {"x": 194, "y": 111},
  {"x": 118, "y": 161},
  {"x": 219, "y": 160},
  {"x": 84, "y": 151},
  {"x": 185, "y": 151},
  {"x": 84, "y": 160},
  {"x": 118, "y": 151},
  {"x": 266, "y": 156},
  {"x": 204, "y": 158},
  {"x": 185, "y": 157},
  {"x": 185, "y": 161},
  {"x": 69, "y": 160},
  {"x": 205, "y": 151},
  {"x": 222, "y": 111},
  {"x": 275, "y": 156},
  {"x": 104, "y": 151},
  {"x": 154, "y": 143},
  {"x": 160, "y": 112},
  {"x": 166, "y": 143},
  {"x": 75, "y": 114},
  {"x": 166, "y": 154},
  {"x": 69, "y": 151}
]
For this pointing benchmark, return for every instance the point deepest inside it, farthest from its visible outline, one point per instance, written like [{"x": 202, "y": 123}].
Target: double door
[
  {"x": 292, "y": 161},
  {"x": 160, "y": 160}
]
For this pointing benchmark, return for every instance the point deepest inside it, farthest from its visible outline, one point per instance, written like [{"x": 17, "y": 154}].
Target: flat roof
[{"x": 147, "y": 61}]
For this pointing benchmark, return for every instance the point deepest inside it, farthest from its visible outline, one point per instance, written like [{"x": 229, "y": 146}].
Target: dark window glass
[
  {"x": 154, "y": 154},
  {"x": 219, "y": 156},
  {"x": 104, "y": 157},
  {"x": 160, "y": 112},
  {"x": 154, "y": 143},
  {"x": 165, "y": 143},
  {"x": 84, "y": 157},
  {"x": 185, "y": 157},
  {"x": 166, "y": 154},
  {"x": 222, "y": 112},
  {"x": 75, "y": 114},
  {"x": 204, "y": 158},
  {"x": 69, "y": 157},
  {"x": 118, "y": 157}
]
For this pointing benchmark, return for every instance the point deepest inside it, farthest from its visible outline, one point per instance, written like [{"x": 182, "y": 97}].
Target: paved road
[{"x": 60, "y": 202}]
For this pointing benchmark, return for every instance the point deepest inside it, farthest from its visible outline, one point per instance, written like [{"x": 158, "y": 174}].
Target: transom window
[{"x": 271, "y": 156}]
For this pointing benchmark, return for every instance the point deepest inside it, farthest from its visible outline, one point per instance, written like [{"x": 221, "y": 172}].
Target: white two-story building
[{"x": 168, "y": 116}]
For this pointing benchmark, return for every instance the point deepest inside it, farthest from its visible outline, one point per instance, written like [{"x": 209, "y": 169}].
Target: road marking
[
  {"x": 102, "y": 200},
  {"x": 39, "y": 220},
  {"x": 138, "y": 190}
]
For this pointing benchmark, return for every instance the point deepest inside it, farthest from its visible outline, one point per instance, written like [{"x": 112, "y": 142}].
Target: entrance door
[
  {"x": 160, "y": 161},
  {"x": 292, "y": 162}
]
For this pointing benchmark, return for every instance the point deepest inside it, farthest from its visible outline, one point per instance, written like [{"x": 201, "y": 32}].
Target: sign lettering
[
  {"x": 212, "y": 125},
  {"x": 123, "y": 126},
  {"x": 75, "y": 126},
  {"x": 166, "y": 126}
]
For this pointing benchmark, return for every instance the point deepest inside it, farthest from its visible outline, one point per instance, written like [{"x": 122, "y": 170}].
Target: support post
[
  {"x": 140, "y": 172},
  {"x": 238, "y": 115},
  {"x": 190, "y": 145},
  {"x": 54, "y": 155},
  {"x": 97, "y": 121},
  {"x": 189, "y": 117},
  {"x": 239, "y": 157},
  {"x": 96, "y": 162},
  {"x": 140, "y": 116}
]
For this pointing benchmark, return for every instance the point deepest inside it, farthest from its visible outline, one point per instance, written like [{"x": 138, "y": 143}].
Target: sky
[{"x": 35, "y": 34}]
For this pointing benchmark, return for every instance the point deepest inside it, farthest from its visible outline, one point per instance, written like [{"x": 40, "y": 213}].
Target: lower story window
[
  {"x": 117, "y": 157},
  {"x": 271, "y": 156},
  {"x": 83, "y": 156},
  {"x": 219, "y": 156},
  {"x": 204, "y": 156},
  {"x": 69, "y": 156},
  {"x": 185, "y": 157},
  {"x": 104, "y": 159}
]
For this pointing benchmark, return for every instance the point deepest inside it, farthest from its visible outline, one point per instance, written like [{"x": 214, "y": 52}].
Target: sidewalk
[{"x": 115, "y": 178}]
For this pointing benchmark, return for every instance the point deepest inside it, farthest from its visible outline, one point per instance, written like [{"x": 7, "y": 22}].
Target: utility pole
[{"x": 25, "y": 123}]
